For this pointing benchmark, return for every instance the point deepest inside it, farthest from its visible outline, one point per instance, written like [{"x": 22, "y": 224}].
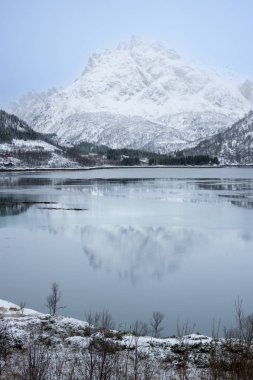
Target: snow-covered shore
[
  {"x": 68, "y": 337},
  {"x": 40, "y": 346}
]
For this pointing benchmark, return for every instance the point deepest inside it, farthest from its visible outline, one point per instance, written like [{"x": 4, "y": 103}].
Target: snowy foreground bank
[{"x": 39, "y": 346}]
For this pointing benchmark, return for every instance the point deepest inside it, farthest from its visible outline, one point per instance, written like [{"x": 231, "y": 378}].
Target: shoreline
[{"x": 8, "y": 170}]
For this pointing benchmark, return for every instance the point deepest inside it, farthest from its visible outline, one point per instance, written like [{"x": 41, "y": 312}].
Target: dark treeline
[
  {"x": 133, "y": 157},
  {"x": 85, "y": 147},
  {"x": 130, "y": 157},
  {"x": 185, "y": 160}
]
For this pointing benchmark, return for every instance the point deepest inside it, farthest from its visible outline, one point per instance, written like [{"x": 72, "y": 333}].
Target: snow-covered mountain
[
  {"x": 232, "y": 146},
  {"x": 140, "y": 95}
]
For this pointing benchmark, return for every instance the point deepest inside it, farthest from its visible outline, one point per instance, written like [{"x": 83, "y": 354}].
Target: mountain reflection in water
[{"x": 134, "y": 252}]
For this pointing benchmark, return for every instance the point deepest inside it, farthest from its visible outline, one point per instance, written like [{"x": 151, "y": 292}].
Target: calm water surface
[{"x": 179, "y": 241}]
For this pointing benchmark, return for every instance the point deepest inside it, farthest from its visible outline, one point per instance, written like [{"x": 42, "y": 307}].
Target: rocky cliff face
[{"x": 232, "y": 146}]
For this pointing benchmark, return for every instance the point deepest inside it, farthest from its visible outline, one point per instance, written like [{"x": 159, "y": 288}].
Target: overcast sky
[{"x": 46, "y": 43}]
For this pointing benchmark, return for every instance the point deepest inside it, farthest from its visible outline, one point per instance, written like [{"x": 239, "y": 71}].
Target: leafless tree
[
  {"x": 53, "y": 300},
  {"x": 155, "y": 323}
]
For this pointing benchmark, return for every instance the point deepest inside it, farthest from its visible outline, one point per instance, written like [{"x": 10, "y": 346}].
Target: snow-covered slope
[
  {"x": 139, "y": 95},
  {"x": 8, "y": 308},
  {"x": 21, "y": 146},
  {"x": 233, "y": 146}
]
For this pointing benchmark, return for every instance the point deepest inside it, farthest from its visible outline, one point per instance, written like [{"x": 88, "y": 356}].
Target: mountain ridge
[{"x": 143, "y": 89}]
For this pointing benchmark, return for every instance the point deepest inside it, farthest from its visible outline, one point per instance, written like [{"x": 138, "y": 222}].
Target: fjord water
[{"x": 176, "y": 240}]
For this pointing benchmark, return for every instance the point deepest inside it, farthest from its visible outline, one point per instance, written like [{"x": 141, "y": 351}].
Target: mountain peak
[
  {"x": 135, "y": 44},
  {"x": 139, "y": 87},
  {"x": 149, "y": 80},
  {"x": 131, "y": 44},
  {"x": 135, "y": 49}
]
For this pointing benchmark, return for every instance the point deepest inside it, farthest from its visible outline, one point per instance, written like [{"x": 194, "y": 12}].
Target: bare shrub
[
  {"x": 182, "y": 349},
  {"x": 232, "y": 358},
  {"x": 138, "y": 329},
  {"x": 101, "y": 321},
  {"x": 35, "y": 363},
  {"x": 66, "y": 367},
  {"x": 100, "y": 360},
  {"x": 5, "y": 345}
]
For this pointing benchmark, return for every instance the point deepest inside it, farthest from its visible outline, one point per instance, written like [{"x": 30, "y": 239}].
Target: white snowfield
[
  {"x": 140, "y": 95},
  {"x": 8, "y": 308},
  {"x": 31, "y": 145}
]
